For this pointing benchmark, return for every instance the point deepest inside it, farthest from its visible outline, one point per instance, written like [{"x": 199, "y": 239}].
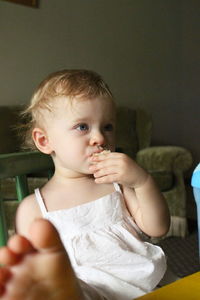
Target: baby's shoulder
[
  {"x": 28, "y": 210},
  {"x": 28, "y": 202}
]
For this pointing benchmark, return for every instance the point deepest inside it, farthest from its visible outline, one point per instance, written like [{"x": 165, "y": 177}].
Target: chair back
[
  {"x": 20, "y": 166},
  {"x": 134, "y": 130}
]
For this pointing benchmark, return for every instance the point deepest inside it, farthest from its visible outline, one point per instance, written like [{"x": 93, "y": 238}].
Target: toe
[
  {"x": 44, "y": 236},
  {"x": 2, "y": 289},
  {"x": 20, "y": 245},
  {"x": 8, "y": 257},
  {"x": 5, "y": 275}
]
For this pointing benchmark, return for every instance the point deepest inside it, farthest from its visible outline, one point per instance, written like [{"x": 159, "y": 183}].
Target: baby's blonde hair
[{"x": 83, "y": 84}]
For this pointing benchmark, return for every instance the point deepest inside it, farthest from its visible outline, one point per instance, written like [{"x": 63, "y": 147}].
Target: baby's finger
[
  {"x": 98, "y": 166},
  {"x": 105, "y": 171},
  {"x": 106, "y": 179},
  {"x": 105, "y": 155},
  {"x": 104, "y": 163},
  {"x": 101, "y": 157}
]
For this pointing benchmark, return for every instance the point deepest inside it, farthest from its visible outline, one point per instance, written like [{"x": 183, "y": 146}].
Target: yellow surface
[{"x": 187, "y": 288}]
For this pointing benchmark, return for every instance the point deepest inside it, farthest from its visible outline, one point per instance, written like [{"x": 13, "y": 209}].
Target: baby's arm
[
  {"x": 27, "y": 212},
  {"x": 148, "y": 207},
  {"x": 143, "y": 198}
]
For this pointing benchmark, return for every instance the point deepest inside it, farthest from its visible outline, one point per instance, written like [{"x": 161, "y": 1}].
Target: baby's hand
[{"x": 117, "y": 167}]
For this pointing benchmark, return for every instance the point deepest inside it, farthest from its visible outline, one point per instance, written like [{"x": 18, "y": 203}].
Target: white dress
[{"x": 106, "y": 249}]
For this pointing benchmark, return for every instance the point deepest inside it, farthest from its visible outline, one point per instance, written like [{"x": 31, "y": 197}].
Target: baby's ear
[{"x": 41, "y": 140}]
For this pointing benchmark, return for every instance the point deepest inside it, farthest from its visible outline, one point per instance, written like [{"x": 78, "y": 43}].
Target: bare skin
[{"x": 37, "y": 268}]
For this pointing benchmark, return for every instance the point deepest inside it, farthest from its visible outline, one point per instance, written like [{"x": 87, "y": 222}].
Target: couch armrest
[{"x": 164, "y": 158}]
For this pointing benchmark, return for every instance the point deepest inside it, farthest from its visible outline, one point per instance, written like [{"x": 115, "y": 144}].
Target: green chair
[{"x": 20, "y": 166}]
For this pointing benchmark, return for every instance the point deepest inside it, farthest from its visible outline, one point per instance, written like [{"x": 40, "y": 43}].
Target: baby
[{"x": 100, "y": 202}]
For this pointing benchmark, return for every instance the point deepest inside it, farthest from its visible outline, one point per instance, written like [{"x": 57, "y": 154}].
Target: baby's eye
[
  {"x": 108, "y": 127},
  {"x": 82, "y": 127}
]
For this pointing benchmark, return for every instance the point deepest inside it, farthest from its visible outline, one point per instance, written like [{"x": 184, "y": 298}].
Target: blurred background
[{"x": 147, "y": 51}]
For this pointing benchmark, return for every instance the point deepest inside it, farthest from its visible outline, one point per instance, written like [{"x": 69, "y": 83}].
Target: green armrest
[{"x": 164, "y": 158}]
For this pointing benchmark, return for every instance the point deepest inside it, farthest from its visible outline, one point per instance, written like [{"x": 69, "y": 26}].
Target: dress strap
[
  {"x": 40, "y": 202},
  {"x": 117, "y": 187}
]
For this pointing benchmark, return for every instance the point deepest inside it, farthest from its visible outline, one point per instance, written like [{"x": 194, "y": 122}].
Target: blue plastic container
[{"x": 196, "y": 190}]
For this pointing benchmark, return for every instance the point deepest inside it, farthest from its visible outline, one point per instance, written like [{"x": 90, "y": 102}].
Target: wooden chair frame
[{"x": 19, "y": 165}]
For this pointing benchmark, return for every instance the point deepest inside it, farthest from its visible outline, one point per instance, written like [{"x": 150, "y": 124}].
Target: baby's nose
[{"x": 97, "y": 138}]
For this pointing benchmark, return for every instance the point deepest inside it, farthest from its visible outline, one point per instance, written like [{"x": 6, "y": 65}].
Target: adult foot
[{"x": 37, "y": 268}]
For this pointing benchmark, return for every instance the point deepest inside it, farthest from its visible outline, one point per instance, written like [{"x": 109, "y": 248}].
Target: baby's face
[{"x": 79, "y": 129}]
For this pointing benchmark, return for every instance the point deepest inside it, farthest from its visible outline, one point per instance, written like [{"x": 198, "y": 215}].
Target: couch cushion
[{"x": 165, "y": 180}]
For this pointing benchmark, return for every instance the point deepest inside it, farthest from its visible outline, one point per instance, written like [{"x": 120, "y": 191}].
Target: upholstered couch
[{"x": 167, "y": 164}]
